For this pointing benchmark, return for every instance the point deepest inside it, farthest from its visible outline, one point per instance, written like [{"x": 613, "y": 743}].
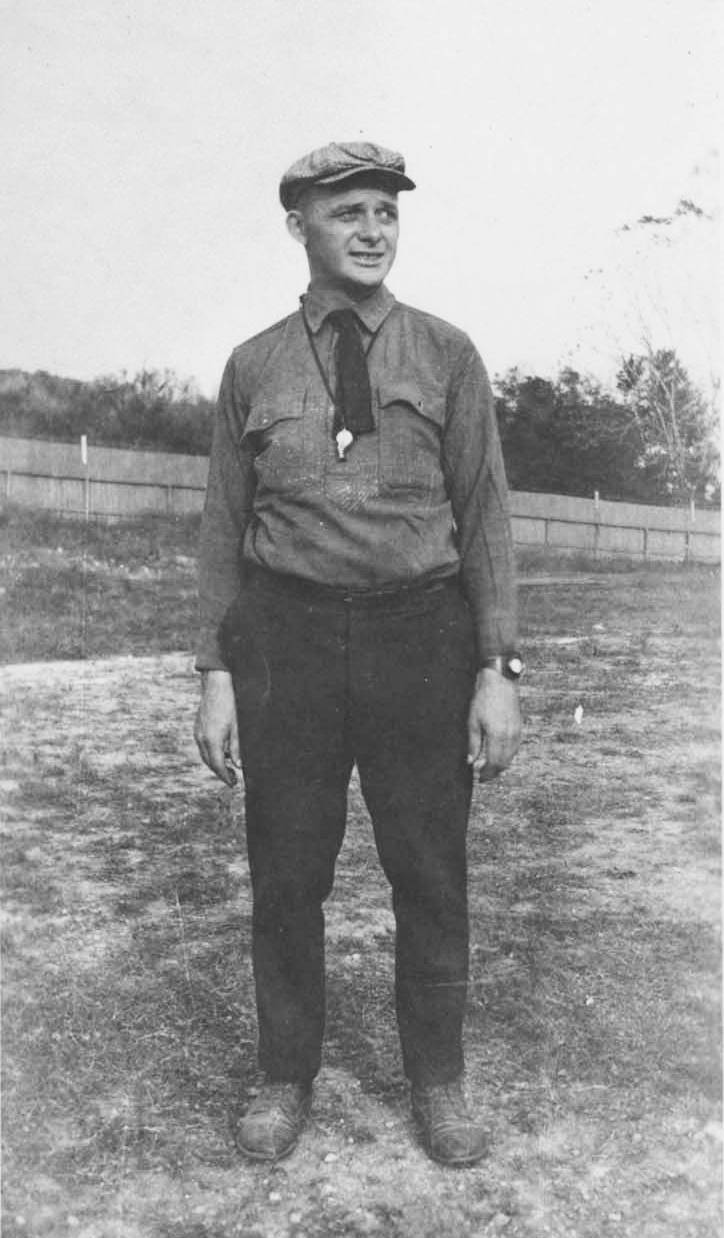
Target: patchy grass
[
  {"x": 531, "y": 559},
  {"x": 593, "y": 1029},
  {"x": 72, "y": 589},
  {"x": 76, "y": 590}
]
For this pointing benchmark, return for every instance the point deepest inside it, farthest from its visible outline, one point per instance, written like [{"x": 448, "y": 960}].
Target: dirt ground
[{"x": 593, "y": 1029}]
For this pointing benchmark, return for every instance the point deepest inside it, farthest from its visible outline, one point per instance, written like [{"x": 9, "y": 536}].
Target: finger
[
  {"x": 501, "y": 748},
  {"x": 497, "y": 759},
  {"x": 488, "y": 772},
  {"x": 234, "y": 748},
  {"x": 475, "y": 743},
  {"x": 217, "y": 762},
  {"x": 203, "y": 749}
]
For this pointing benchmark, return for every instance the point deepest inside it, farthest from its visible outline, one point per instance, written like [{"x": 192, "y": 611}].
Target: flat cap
[{"x": 337, "y": 162}]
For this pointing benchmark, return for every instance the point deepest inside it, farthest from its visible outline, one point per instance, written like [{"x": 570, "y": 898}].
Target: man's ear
[{"x": 295, "y": 227}]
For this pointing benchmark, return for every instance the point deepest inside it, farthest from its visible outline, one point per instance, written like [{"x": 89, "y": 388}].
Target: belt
[{"x": 314, "y": 591}]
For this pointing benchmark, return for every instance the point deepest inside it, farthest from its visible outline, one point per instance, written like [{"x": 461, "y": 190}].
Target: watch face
[{"x": 515, "y": 666}]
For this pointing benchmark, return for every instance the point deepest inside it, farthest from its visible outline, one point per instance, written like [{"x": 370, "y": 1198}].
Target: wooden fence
[{"x": 115, "y": 484}]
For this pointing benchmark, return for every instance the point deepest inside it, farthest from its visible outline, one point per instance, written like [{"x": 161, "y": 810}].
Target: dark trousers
[{"x": 323, "y": 681}]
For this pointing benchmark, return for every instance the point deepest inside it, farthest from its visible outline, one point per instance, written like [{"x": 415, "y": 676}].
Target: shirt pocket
[
  {"x": 278, "y": 433},
  {"x": 411, "y": 423}
]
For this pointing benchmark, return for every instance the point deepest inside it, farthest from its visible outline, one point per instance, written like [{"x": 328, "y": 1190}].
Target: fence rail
[
  {"x": 609, "y": 539},
  {"x": 116, "y": 484}
]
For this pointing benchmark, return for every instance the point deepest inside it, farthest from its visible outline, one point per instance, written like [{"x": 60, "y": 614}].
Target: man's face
[{"x": 350, "y": 235}]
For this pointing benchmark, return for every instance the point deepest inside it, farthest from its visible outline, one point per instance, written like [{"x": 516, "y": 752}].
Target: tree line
[
  {"x": 153, "y": 410},
  {"x": 651, "y": 439}
]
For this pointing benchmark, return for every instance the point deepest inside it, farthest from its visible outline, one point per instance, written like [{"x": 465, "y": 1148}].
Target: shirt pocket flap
[
  {"x": 277, "y": 435},
  {"x": 267, "y": 412},
  {"x": 425, "y": 398}
]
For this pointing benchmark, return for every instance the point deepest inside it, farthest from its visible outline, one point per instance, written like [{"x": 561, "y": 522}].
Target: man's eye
[{"x": 388, "y": 216}]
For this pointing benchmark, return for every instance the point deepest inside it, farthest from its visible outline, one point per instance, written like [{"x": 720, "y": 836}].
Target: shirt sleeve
[
  {"x": 227, "y": 511},
  {"x": 475, "y": 476}
]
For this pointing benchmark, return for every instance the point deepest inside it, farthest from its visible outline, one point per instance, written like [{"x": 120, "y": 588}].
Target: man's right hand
[{"x": 215, "y": 730}]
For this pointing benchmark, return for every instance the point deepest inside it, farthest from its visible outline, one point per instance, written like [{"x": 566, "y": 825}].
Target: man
[{"x": 357, "y": 606}]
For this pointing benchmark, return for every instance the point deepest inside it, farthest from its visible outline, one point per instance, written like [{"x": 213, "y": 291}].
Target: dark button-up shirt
[{"x": 422, "y": 497}]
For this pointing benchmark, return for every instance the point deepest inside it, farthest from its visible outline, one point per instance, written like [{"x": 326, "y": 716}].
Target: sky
[{"x": 142, "y": 146}]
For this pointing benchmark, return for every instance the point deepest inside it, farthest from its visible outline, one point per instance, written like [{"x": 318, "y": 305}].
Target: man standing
[{"x": 357, "y": 606}]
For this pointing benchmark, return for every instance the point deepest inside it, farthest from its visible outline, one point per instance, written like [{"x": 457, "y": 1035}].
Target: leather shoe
[
  {"x": 450, "y": 1132},
  {"x": 271, "y": 1126}
]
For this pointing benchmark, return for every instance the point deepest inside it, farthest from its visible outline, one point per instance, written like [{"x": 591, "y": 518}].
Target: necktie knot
[{"x": 343, "y": 319}]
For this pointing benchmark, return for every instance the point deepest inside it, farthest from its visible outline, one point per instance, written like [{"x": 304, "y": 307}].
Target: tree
[
  {"x": 665, "y": 267},
  {"x": 152, "y": 409},
  {"x": 656, "y": 300},
  {"x": 565, "y": 436},
  {"x": 651, "y": 441},
  {"x": 674, "y": 424}
]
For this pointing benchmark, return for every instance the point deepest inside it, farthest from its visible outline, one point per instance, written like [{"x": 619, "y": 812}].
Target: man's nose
[{"x": 369, "y": 228}]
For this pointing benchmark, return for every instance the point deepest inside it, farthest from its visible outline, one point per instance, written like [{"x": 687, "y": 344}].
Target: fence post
[
  {"x": 596, "y": 523},
  {"x": 688, "y": 556},
  {"x": 7, "y": 485},
  {"x": 169, "y": 500},
  {"x": 645, "y": 543},
  {"x": 86, "y": 476}
]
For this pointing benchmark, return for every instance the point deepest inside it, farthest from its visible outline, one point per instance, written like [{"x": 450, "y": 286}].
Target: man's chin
[{"x": 366, "y": 279}]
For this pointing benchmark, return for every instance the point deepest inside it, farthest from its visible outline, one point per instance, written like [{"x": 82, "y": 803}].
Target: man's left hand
[{"x": 493, "y": 724}]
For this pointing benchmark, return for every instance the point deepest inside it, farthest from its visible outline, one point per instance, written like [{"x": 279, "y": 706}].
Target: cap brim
[
  {"x": 384, "y": 174},
  {"x": 289, "y": 194}
]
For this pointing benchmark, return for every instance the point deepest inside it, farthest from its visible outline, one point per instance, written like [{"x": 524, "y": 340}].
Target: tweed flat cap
[{"x": 337, "y": 162}]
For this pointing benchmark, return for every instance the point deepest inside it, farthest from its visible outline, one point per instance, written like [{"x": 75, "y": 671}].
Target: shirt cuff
[{"x": 208, "y": 655}]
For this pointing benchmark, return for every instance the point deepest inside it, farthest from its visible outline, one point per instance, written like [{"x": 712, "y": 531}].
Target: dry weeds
[{"x": 592, "y": 1037}]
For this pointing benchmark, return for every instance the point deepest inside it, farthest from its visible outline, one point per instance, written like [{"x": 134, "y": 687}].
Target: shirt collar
[{"x": 317, "y": 303}]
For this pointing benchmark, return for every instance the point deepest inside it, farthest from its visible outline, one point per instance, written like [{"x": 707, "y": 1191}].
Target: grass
[
  {"x": 129, "y": 1033},
  {"x": 76, "y": 590}
]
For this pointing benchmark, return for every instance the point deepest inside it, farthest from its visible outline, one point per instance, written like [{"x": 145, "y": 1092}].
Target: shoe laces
[
  {"x": 441, "y": 1097},
  {"x": 277, "y": 1095}
]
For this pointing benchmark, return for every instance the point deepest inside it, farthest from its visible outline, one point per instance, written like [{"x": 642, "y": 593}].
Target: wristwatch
[{"x": 510, "y": 665}]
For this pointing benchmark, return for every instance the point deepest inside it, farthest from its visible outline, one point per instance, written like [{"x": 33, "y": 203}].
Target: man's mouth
[{"x": 367, "y": 258}]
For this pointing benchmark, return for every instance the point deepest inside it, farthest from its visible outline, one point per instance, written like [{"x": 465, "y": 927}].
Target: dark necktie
[{"x": 353, "y": 400}]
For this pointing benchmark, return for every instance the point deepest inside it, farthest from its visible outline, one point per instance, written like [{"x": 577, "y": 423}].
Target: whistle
[{"x": 344, "y": 439}]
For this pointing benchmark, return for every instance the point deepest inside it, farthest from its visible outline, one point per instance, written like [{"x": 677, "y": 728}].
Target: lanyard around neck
[{"x": 317, "y": 358}]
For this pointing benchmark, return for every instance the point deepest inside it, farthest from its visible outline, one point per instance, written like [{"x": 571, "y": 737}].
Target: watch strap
[{"x": 510, "y": 665}]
